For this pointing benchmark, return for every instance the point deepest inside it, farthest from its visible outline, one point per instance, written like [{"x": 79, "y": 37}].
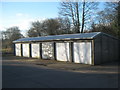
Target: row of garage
[
  {"x": 58, "y": 51},
  {"x": 87, "y": 48}
]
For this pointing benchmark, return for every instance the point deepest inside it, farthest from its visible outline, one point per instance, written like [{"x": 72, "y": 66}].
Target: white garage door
[
  {"x": 62, "y": 51},
  {"x": 18, "y": 49},
  {"x": 82, "y": 52},
  {"x": 47, "y": 50},
  {"x": 35, "y": 50},
  {"x": 26, "y": 51}
]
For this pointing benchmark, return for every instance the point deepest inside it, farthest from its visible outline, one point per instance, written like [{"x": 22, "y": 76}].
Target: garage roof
[{"x": 59, "y": 37}]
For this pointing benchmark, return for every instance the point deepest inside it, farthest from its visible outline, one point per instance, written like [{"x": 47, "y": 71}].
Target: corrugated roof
[{"x": 59, "y": 37}]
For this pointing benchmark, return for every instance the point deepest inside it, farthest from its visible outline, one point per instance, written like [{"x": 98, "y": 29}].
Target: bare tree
[
  {"x": 83, "y": 16},
  {"x": 71, "y": 9},
  {"x": 79, "y": 12},
  {"x": 108, "y": 14},
  {"x": 65, "y": 26},
  {"x": 109, "y": 18},
  {"x": 88, "y": 11}
]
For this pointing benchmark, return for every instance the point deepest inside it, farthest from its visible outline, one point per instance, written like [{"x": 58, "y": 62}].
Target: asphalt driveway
[{"x": 33, "y": 73}]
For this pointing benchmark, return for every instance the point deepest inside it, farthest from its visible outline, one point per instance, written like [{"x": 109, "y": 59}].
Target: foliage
[
  {"x": 10, "y": 35},
  {"x": 51, "y": 26},
  {"x": 36, "y": 29}
]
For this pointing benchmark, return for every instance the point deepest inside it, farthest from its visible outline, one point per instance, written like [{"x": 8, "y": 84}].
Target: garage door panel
[
  {"x": 82, "y": 52},
  {"x": 18, "y": 49},
  {"x": 47, "y": 50},
  {"x": 26, "y": 51},
  {"x": 35, "y": 50},
  {"x": 62, "y": 51}
]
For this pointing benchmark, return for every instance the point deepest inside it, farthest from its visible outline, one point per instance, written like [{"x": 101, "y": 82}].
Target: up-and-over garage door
[
  {"x": 47, "y": 50},
  {"x": 35, "y": 50},
  {"x": 26, "y": 51},
  {"x": 18, "y": 49},
  {"x": 82, "y": 52},
  {"x": 62, "y": 52}
]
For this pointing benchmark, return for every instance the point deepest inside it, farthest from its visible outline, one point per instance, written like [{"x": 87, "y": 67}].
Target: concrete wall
[
  {"x": 35, "y": 49},
  {"x": 26, "y": 50},
  {"x": 82, "y": 52},
  {"x": 62, "y": 52},
  {"x": 18, "y": 49},
  {"x": 47, "y": 50}
]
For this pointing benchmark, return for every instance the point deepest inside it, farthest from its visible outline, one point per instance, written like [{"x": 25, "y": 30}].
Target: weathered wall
[
  {"x": 35, "y": 49},
  {"x": 82, "y": 52},
  {"x": 47, "y": 50},
  {"x": 62, "y": 52},
  {"x": 18, "y": 49},
  {"x": 25, "y": 49}
]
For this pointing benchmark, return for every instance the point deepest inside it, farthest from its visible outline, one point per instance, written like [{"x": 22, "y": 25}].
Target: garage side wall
[
  {"x": 106, "y": 49},
  {"x": 98, "y": 50},
  {"x": 109, "y": 48},
  {"x": 115, "y": 50}
]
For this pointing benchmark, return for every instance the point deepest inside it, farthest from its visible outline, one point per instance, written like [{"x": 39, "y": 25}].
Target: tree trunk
[
  {"x": 78, "y": 21},
  {"x": 83, "y": 17},
  {"x": 73, "y": 19}
]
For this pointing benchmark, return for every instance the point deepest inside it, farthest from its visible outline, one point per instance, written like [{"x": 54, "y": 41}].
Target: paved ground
[{"x": 33, "y": 73}]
